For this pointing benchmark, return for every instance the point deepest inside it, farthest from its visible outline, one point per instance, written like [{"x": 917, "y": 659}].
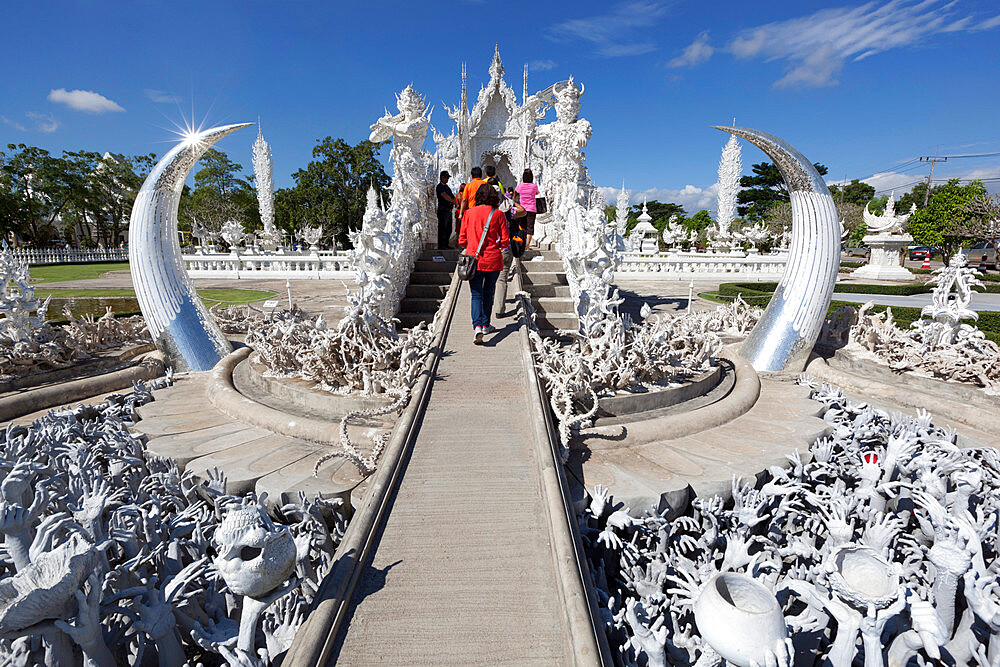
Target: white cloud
[
  {"x": 695, "y": 53},
  {"x": 541, "y": 65},
  {"x": 44, "y": 122},
  {"x": 161, "y": 97},
  {"x": 816, "y": 47},
  {"x": 617, "y": 33},
  {"x": 14, "y": 124},
  {"x": 691, "y": 197},
  {"x": 84, "y": 100}
]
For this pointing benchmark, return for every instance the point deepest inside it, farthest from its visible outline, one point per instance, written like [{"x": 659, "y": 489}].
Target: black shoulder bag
[{"x": 467, "y": 263}]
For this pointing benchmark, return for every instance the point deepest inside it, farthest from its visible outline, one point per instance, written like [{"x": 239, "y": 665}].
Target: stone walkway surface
[{"x": 463, "y": 571}]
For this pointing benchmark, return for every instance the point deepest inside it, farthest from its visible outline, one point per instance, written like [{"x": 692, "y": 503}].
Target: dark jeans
[
  {"x": 482, "y": 286},
  {"x": 444, "y": 227}
]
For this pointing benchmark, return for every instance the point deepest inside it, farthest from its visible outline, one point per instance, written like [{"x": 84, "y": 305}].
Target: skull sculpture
[{"x": 254, "y": 556}]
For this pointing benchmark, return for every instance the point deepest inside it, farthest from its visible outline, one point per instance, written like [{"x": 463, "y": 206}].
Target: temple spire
[{"x": 496, "y": 67}]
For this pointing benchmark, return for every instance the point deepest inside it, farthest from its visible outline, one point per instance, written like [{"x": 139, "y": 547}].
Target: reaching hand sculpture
[
  {"x": 885, "y": 565},
  {"x": 111, "y": 552}
]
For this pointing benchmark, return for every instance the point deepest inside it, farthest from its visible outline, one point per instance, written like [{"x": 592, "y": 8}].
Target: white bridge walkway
[{"x": 463, "y": 570}]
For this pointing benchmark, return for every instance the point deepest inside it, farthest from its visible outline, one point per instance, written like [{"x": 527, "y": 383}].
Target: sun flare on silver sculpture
[
  {"x": 789, "y": 326},
  {"x": 179, "y": 323}
]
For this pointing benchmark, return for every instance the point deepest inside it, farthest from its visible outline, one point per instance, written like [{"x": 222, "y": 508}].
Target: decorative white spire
[
  {"x": 621, "y": 210},
  {"x": 730, "y": 170},
  {"x": 263, "y": 169}
]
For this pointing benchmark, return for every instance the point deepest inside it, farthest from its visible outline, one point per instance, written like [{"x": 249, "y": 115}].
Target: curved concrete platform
[
  {"x": 964, "y": 406},
  {"x": 48, "y": 390},
  {"x": 184, "y": 424},
  {"x": 662, "y": 462}
]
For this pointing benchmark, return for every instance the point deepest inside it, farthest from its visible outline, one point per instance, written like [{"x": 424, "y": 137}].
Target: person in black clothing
[{"x": 446, "y": 203}]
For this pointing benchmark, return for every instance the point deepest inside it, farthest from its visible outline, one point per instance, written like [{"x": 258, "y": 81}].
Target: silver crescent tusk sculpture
[
  {"x": 179, "y": 323},
  {"x": 789, "y": 326}
]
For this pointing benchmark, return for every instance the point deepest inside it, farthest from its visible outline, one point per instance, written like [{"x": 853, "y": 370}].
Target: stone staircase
[
  {"x": 544, "y": 279},
  {"x": 428, "y": 286}
]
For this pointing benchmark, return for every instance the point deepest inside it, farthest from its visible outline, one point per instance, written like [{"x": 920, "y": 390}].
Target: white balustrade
[
  {"x": 701, "y": 266},
  {"x": 36, "y": 256},
  {"x": 319, "y": 265}
]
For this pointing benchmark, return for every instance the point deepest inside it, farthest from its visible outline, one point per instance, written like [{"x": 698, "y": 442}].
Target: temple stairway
[
  {"x": 544, "y": 279},
  {"x": 427, "y": 288}
]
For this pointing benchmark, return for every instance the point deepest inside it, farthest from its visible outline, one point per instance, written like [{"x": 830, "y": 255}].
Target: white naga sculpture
[
  {"x": 940, "y": 344},
  {"x": 887, "y": 239},
  {"x": 730, "y": 170},
  {"x": 116, "y": 557},
  {"x": 263, "y": 169},
  {"x": 311, "y": 236},
  {"x": 754, "y": 234},
  {"x": 886, "y": 535}
]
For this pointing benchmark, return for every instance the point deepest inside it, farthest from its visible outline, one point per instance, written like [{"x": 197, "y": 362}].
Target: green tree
[
  {"x": 37, "y": 189},
  {"x": 763, "y": 190},
  {"x": 103, "y": 192},
  {"x": 948, "y": 218},
  {"x": 221, "y": 193},
  {"x": 660, "y": 212},
  {"x": 915, "y": 196},
  {"x": 698, "y": 222},
  {"x": 854, "y": 192},
  {"x": 331, "y": 190}
]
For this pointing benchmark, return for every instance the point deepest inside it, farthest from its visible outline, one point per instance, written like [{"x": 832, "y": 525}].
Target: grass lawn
[
  {"x": 59, "y": 272},
  {"x": 211, "y": 297}
]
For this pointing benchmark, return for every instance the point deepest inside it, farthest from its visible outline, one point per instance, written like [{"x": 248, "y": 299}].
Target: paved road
[
  {"x": 463, "y": 571},
  {"x": 989, "y": 302}
]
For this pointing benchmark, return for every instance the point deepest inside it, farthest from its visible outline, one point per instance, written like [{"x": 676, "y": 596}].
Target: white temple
[{"x": 498, "y": 130}]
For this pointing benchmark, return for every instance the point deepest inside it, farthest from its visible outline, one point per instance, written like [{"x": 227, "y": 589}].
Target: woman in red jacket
[{"x": 483, "y": 284}]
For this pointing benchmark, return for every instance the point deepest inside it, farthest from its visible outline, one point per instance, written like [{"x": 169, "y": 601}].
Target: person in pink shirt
[{"x": 526, "y": 192}]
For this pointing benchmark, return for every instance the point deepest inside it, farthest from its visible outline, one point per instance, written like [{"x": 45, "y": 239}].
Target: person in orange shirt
[
  {"x": 484, "y": 219},
  {"x": 469, "y": 193}
]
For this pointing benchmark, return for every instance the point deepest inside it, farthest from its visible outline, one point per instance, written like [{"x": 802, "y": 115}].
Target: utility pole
[{"x": 932, "y": 159}]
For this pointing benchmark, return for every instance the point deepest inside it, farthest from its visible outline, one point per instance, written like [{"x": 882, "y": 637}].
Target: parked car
[
  {"x": 984, "y": 251},
  {"x": 918, "y": 252}
]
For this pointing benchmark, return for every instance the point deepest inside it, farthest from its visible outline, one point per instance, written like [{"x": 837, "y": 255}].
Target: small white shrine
[{"x": 887, "y": 239}]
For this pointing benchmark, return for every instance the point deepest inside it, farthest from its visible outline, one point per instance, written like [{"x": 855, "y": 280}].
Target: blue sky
[{"x": 862, "y": 88}]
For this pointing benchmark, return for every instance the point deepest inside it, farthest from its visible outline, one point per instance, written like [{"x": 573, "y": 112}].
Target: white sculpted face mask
[{"x": 254, "y": 557}]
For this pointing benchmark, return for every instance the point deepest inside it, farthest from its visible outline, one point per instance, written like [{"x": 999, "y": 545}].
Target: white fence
[
  {"x": 35, "y": 256},
  {"x": 316, "y": 265},
  {"x": 750, "y": 267}
]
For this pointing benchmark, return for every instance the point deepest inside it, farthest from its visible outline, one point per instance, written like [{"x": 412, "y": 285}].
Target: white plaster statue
[
  {"x": 887, "y": 239},
  {"x": 232, "y": 233},
  {"x": 564, "y": 141}
]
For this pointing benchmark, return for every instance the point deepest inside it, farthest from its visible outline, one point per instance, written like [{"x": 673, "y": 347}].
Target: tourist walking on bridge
[
  {"x": 446, "y": 201},
  {"x": 484, "y": 218},
  {"x": 527, "y": 191}
]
